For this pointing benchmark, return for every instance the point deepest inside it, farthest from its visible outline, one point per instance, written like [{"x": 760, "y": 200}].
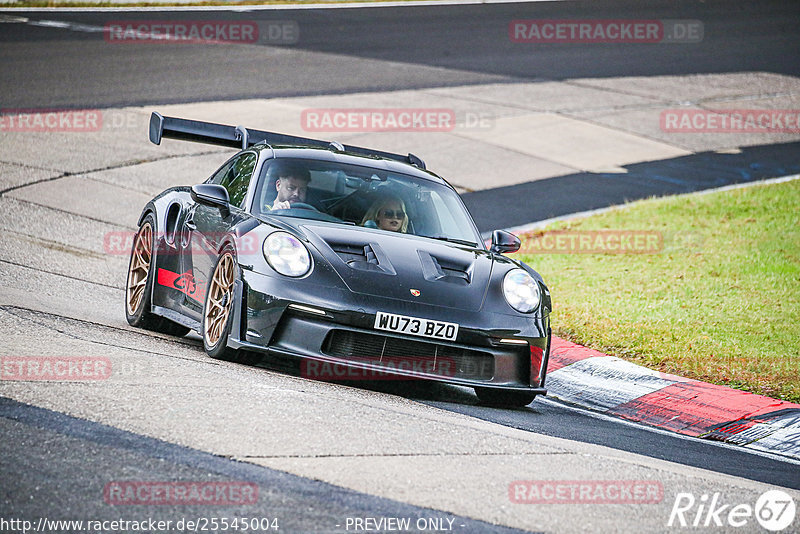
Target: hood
[{"x": 373, "y": 262}]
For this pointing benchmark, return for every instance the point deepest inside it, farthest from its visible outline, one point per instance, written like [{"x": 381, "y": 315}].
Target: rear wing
[{"x": 240, "y": 138}]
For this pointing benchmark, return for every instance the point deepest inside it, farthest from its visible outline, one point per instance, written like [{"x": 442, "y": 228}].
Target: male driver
[{"x": 291, "y": 182}]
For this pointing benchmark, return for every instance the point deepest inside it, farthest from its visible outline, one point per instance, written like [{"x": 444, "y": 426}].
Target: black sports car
[{"x": 342, "y": 256}]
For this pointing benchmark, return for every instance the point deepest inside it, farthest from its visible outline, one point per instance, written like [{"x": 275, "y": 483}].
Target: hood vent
[
  {"x": 445, "y": 270},
  {"x": 361, "y": 257}
]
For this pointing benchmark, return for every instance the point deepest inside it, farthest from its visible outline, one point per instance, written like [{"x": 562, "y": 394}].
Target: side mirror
[
  {"x": 503, "y": 241},
  {"x": 212, "y": 195}
]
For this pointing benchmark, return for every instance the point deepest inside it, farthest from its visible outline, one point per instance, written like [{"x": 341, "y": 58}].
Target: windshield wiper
[{"x": 452, "y": 240}]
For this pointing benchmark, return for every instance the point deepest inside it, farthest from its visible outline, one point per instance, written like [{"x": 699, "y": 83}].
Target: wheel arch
[
  {"x": 239, "y": 319},
  {"x": 228, "y": 243}
]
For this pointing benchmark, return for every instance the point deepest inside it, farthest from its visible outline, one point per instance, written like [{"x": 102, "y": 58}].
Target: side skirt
[{"x": 177, "y": 317}]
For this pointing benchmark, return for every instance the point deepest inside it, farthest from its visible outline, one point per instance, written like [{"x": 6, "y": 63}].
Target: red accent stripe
[
  {"x": 694, "y": 408},
  {"x": 167, "y": 278},
  {"x": 537, "y": 355}
]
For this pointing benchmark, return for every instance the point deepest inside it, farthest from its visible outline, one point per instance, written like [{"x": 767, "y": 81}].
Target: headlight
[
  {"x": 286, "y": 254},
  {"x": 521, "y": 291}
]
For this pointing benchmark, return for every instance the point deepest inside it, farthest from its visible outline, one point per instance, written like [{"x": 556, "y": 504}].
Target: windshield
[{"x": 363, "y": 196}]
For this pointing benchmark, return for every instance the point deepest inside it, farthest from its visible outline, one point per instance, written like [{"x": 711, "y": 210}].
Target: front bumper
[{"x": 278, "y": 316}]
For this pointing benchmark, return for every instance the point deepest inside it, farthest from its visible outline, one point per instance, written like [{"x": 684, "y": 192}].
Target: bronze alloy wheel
[
  {"x": 139, "y": 268},
  {"x": 220, "y": 300}
]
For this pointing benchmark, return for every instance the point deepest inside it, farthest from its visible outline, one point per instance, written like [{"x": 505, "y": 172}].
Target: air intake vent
[
  {"x": 456, "y": 273},
  {"x": 410, "y": 355},
  {"x": 441, "y": 269},
  {"x": 357, "y": 256}
]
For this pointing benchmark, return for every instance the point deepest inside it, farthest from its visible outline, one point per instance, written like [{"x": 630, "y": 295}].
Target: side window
[
  {"x": 235, "y": 177},
  {"x": 243, "y": 169},
  {"x": 223, "y": 175}
]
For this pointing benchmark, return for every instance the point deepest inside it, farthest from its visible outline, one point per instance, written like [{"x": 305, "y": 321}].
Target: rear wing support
[{"x": 239, "y": 137}]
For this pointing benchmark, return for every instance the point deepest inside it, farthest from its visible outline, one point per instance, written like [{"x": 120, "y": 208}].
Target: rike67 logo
[{"x": 774, "y": 510}]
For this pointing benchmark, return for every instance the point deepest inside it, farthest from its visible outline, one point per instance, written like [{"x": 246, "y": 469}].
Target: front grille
[{"x": 408, "y": 354}]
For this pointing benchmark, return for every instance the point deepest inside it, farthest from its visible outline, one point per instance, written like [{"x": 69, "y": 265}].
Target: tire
[
  {"x": 218, "y": 309},
  {"x": 504, "y": 398},
  {"x": 139, "y": 284}
]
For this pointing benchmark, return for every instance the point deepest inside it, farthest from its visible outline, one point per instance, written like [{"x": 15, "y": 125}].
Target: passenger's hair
[{"x": 380, "y": 203}]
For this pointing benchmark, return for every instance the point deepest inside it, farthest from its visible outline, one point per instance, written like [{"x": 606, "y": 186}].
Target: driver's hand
[{"x": 283, "y": 205}]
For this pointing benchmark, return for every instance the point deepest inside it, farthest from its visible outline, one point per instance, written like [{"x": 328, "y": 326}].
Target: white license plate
[{"x": 416, "y": 326}]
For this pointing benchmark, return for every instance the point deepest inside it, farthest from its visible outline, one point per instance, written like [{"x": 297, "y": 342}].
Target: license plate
[{"x": 416, "y": 326}]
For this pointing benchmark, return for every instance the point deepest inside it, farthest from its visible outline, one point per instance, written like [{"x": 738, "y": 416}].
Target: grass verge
[{"x": 714, "y": 296}]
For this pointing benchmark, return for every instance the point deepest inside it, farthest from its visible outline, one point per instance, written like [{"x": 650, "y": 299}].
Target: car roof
[{"x": 376, "y": 162}]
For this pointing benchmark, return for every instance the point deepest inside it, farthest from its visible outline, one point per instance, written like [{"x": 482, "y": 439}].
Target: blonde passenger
[{"x": 387, "y": 213}]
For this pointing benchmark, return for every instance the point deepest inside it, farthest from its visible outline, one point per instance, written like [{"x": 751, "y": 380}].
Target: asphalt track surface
[
  {"x": 586, "y": 191},
  {"x": 61, "y": 461},
  {"x": 353, "y": 50},
  {"x": 417, "y": 47},
  {"x": 430, "y": 46}
]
